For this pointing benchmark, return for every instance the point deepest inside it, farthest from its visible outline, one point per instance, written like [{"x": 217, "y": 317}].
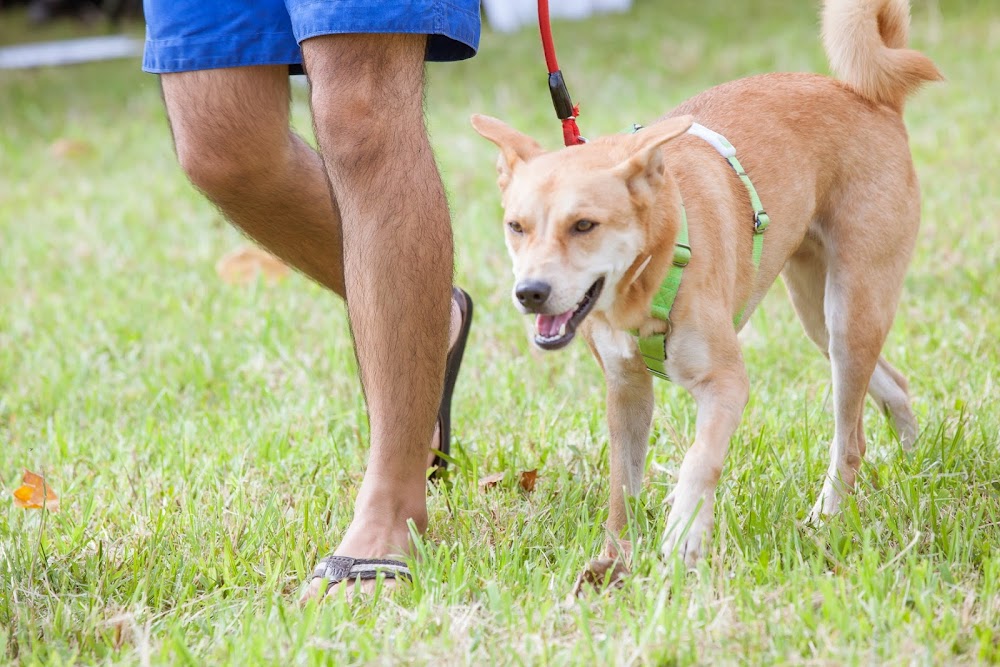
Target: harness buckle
[
  {"x": 682, "y": 254},
  {"x": 760, "y": 222}
]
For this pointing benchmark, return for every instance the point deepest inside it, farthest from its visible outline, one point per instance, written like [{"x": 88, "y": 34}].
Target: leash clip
[{"x": 561, "y": 100}]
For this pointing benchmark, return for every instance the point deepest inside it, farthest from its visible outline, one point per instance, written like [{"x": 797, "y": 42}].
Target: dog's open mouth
[{"x": 555, "y": 331}]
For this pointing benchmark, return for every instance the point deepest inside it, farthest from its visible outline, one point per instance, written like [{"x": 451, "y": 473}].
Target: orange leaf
[
  {"x": 528, "y": 478},
  {"x": 35, "y": 493},
  {"x": 490, "y": 481},
  {"x": 70, "y": 148},
  {"x": 242, "y": 266}
]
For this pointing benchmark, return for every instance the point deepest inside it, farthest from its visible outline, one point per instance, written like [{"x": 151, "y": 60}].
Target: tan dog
[{"x": 591, "y": 230}]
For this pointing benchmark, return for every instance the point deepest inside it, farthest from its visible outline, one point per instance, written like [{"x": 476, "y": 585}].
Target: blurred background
[{"x": 91, "y": 12}]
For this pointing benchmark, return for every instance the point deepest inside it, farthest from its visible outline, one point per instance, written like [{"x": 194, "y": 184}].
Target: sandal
[
  {"x": 336, "y": 569},
  {"x": 464, "y": 302}
]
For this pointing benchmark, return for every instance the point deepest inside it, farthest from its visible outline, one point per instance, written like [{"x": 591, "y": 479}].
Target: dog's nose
[{"x": 532, "y": 293}]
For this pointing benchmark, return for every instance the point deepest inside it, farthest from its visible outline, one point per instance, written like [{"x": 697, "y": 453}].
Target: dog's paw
[
  {"x": 687, "y": 545},
  {"x": 601, "y": 574},
  {"x": 689, "y": 527},
  {"x": 828, "y": 502}
]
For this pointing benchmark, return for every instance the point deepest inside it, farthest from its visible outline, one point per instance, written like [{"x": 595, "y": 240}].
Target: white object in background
[
  {"x": 503, "y": 15},
  {"x": 610, "y": 6},
  {"x": 69, "y": 51},
  {"x": 510, "y": 15},
  {"x": 569, "y": 9}
]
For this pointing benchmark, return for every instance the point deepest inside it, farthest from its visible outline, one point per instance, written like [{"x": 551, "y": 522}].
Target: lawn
[{"x": 206, "y": 439}]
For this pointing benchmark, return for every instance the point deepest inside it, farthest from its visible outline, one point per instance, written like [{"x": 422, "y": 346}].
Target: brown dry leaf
[
  {"x": 528, "y": 478},
  {"x": 242, "y": 266},
  {"x": 70, "y": 148},
  {"x": 490, "y": 481},
  {"x": 123, "y": 629},
  {"x": 35, "y": 493}
]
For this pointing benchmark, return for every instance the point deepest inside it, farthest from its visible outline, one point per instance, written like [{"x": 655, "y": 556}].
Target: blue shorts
[{"x": 184, "y": 35}]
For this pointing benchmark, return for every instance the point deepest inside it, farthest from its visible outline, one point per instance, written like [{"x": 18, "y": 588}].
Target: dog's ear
[
  {"x": 643, "y": 168},
  {"x": 515, "y": 147}
]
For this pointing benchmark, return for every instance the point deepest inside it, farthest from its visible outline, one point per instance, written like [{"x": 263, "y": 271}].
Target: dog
[{"x": 593, "y": 233}]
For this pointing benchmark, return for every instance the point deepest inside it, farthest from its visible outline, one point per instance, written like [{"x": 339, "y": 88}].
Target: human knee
[
  {"x": 218, "y": 169},
  {"x": 367, "y": 112},
  {"x": 355, "y": 134}
]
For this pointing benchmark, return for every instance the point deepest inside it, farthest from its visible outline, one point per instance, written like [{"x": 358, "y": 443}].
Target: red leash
[{"x": 565, "y": 109}]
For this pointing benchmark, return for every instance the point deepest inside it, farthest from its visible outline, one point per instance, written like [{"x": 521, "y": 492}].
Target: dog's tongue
[{"x": 549, "y": 325}]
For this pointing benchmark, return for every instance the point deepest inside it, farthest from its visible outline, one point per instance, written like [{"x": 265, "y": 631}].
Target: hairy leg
[
  {"x": 367, "y": 100},
  {"x": 232, "y": 136},
  {"x": 233, "y": 140}
]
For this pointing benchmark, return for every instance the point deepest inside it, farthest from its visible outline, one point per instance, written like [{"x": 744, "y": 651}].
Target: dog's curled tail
[{"x": 866, "y": 41}]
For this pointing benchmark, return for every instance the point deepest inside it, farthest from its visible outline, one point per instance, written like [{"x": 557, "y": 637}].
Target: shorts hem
[
  {"x": 167, "y": 56},
  {"x": 453, "y": 32}
]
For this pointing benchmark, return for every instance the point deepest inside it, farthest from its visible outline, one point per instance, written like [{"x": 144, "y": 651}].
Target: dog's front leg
[
  {"x": 711, "y": 368},
  {"x": 630, "y": 413}
]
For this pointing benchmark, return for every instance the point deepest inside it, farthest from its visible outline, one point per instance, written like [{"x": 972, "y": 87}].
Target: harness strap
[
  {"x": 760, "y": 223},
  {"x": 663, "y": 300},
  {"x": 654, "y": 348}
]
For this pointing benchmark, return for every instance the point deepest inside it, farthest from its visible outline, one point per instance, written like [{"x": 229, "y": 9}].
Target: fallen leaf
[
  {"x": 70, "y": 148},
  {"x": 123, "y": 628},
  {"x": 490, "y": 481},
  {"x": 242, "y": 266},
  {"x": 35, "y": 493},
  {"x": 528, "y": 478}
]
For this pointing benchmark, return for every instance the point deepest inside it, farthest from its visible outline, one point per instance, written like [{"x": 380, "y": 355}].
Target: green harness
[{"x": 654, "y": 348}]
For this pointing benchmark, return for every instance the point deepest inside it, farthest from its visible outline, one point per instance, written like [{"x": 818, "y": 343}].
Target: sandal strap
[{"x": 338, "y": 568}]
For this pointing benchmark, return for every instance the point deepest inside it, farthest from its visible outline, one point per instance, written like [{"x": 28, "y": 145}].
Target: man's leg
[
  {"x": 367, "y": 101},
  {"x": 233, "y": 140},
  {"x": 232, "y": 137}
]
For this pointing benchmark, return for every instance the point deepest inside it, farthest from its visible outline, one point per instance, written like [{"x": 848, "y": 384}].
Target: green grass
[{"x": 207, "y": 440}]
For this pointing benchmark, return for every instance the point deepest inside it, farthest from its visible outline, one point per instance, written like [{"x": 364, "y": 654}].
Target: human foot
[
  {"x": 377, "y": 541},
  {"x": 377, "y": 533}
]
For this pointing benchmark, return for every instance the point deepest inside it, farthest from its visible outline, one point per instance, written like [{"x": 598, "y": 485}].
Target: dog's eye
[
  {"x": 515, "y": 227},
  {"x": 584, "y": 226}
]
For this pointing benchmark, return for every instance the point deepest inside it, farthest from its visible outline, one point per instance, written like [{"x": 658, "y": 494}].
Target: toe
[
  {"x": 349, "y": 590},
  {"x": 315, "y": 590}
]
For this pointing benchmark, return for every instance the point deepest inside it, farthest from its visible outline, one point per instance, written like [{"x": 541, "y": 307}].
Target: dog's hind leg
[
  {"x": 630, "y": 414},
  {"x": 866, "y": 261},
  {"x": 805, "y": 276},
  {"x": 890, "y": 390}
]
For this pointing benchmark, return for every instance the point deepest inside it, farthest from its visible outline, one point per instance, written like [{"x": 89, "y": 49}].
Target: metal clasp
[{"x": 760, "y": 222}]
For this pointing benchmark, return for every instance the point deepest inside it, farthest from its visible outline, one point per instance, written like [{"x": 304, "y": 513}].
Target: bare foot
[{"x": 375, "y": 533}]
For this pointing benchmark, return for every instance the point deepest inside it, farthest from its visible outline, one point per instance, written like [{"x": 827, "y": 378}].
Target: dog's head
[{"x": 577, "y": 220}]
